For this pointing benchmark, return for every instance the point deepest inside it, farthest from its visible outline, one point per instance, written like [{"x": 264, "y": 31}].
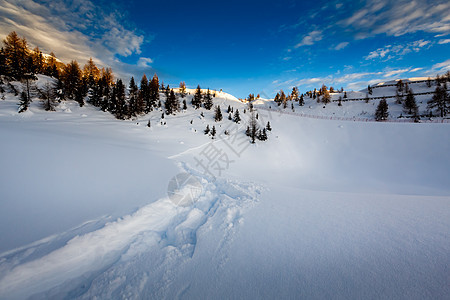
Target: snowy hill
[
  {"x": 354, "y": 104},
  {"x": 322, "y": 209}
]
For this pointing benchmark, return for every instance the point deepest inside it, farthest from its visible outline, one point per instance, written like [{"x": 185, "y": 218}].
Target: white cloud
[
  {"x": 444, "y": 41},
  {"x": 396, "y": 72},
  {"x": 145, "y": 62},
  {"x": 389, "y": 52},
  {"x": 396, "y": 18},
  {"x": 341, "y": 46},
  {"x": 443, "y": 66},
  {"x": 310, "y": 39}
]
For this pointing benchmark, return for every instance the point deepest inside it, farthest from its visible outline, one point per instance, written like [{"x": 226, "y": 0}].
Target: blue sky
[{"x": 251, "y": 47}]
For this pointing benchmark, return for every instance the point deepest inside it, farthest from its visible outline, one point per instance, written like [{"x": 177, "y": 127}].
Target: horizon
[{"x": 243, "y": 48}]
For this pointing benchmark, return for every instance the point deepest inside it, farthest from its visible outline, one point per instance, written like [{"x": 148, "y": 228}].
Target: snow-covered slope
[
  {"x": 323, "y": 209},
  {"x": 354, "y": 105}
]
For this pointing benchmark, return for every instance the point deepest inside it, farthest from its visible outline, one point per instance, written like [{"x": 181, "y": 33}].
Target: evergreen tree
[
  {"x": 121, "y": 105},
  {"x": 268, "y": 126},
  {"x": 24, "y": 102},
  {"x": 440, "y": 101},
  {"x": 237, "y": 117},
  {"x": 429, "y": 82},
  {"x": 262, "y": 135},
  {"x": 172, "y": 104},
  {"x": 398, "y": 97},
  {"x": 95, "y": 95},
  {"x": 144, "y": 94},
  {"x": 184, "y": 104},
  {"x": 213, "y": 131},
  {"x": 197, "y": 100},
  {"x": 218, "y": 114},
  {"x": 369, "y": 89},
  {"x": 136, "y": 106},
  {"x": 207, "y": 130},
  {"x": 154, "y": 92},
  {"x": 228, "y": 109},
  {"x": 253, "y": 127},
  {"x": 381, "y": 113},
  {"x": 301, "y": 101},
  {"x": 410, "y": 104},
  {"x": 208, "y": 103},
  {"x": 230, "y": 117},
  {"x": 340, "y": 101},
  {"x": 345, "y": 95}
]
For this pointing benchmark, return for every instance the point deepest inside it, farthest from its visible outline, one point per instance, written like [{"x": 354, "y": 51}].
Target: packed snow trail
[{"x": 69, "y": 271}]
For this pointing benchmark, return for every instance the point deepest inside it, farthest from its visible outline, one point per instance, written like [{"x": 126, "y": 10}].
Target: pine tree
[
  {"x": 218, "y": 114},
  {"x": 268, "y": 126},
  {"x": 253, "y": 127},
  {"x": 207, "y": 130},
  {"x": 208, "y": 103},
  {"x": 197, "y": 100},
  {"x": 381, "y": 113},
  {"x": 149, "y": 124},
  {"x": 410, "y": 104},
  {"x": 172, "y": 104},
  {"x": 340, "y": 101},
  {"x": 228, "y": 109},
  {"x": 213, "y": 132},
  {"x": 429, "y": 82},
  {"x": 184, "y": 104},
  {"x": 24, "y": 102},
  {"x": 440, "y": 101},
  {"x": 301, "y": 101},
  {"x": 154, "y": 93},
  {"x": 262, "y": 135},
  {"x": 136, "y": 106},
  {"x": 237, "y": 117},
  {"x": 121, "y": 105},
  {"x": 345, "y": 95},
  {"x": 398, "y": 97},
  {"x": 230, "y": 117},
  {"x": 369, "y": 89}
]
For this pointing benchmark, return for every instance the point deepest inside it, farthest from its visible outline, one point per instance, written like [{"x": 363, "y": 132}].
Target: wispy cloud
[
  {"x": 73, "y": 30},
  {"x": 145, "y": 62},
  {"x": 443, "y": 66},
  {"x": 310, "y": 39},
  {"x": 444, "y": 41},
  {"x": 396, "y": 18},
  {"x": 389, "y": 52},
  {"x": 341, "y": 45}
]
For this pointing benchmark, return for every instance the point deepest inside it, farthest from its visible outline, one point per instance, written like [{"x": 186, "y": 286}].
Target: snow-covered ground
[{"x": 323, "y": 209}]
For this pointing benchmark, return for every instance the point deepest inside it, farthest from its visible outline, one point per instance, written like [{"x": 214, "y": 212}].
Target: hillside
[
  {"x": 323, "y": 208},
  {"x": 355, "y": 107}
]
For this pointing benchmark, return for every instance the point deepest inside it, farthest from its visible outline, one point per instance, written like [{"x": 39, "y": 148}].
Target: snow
[{"x": 323, "y": 209}]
